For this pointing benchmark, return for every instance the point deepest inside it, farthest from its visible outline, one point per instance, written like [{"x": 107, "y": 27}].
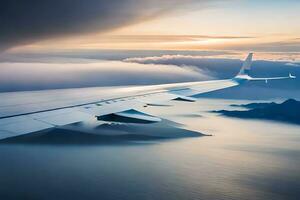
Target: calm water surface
[{"x": 244, "y": 159}]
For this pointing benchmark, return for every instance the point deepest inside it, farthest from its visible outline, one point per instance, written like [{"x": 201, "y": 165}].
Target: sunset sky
[
  {"x": 74, "y": 43},
  {"x": 237, "y": 25}
]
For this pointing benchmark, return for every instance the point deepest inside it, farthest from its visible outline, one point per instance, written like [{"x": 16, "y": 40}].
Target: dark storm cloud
[{"x": 24, "y": 21}]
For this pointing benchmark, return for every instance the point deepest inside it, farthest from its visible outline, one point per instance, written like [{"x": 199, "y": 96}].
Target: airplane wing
[{"x": 27, "y": 112}]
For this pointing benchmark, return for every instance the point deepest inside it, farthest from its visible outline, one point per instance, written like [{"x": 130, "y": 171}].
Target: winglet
[
  {"x": 243, "y": 75},
  {"x": 291, "y": 76},
  {"x": 246, "y": 65}
]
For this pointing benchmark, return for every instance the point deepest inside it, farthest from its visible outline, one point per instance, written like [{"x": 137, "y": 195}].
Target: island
[{"x": 288, "y": 111}]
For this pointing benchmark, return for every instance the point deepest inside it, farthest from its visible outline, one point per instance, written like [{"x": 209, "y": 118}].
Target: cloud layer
[
  {"x": 70, "y": 70},
  {"x": 34, "y": 76},
  {"x": 224, "y": 68},
  {"x": 227, "y": 67}
]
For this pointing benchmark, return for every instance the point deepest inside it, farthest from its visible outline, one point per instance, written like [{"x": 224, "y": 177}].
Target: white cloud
[
  {"x": 19, "y": 76},
  {"x": 293, "y": 64}
]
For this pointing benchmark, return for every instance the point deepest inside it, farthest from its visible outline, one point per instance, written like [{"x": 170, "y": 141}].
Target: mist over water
[{"x": 244, "y": 159}]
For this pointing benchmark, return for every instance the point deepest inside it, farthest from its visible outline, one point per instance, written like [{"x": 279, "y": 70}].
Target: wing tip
[{"x": 245, "y": 69}]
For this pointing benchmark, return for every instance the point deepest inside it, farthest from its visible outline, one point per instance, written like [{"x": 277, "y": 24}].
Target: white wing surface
[{"x": 27, "y": 112}]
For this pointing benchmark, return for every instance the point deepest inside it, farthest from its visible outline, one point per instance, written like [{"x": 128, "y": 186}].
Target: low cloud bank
[
  {"x": 220, "y": 67},
  {"x": 34, "y": 76},
  {"x": 224, "y": 68},
  {"x": 71, "y": 70}
]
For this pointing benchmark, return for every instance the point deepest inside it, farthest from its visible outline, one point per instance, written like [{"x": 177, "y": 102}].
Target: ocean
[{"x": 243, "y": 159}]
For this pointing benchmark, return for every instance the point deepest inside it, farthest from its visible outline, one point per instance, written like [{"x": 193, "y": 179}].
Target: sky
[
  {"x": 239, "y": 25},
  {"x": 53, "y": 44}
]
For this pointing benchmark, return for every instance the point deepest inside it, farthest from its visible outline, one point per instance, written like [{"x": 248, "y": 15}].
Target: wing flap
[
  {"x": 184, "y": 98},
  {"x": 19, "y": 125},
  {"x": 62, "y": 117},
  {"x": 130, "y": 116},
  {"x": 11, "y": 127}
]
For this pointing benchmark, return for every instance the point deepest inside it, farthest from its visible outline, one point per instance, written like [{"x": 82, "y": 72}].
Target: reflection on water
[{"x": 245, "y": 159}]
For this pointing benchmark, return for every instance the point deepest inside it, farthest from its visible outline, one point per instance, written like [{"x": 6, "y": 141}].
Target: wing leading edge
[{"x": 37, "y": 111}]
